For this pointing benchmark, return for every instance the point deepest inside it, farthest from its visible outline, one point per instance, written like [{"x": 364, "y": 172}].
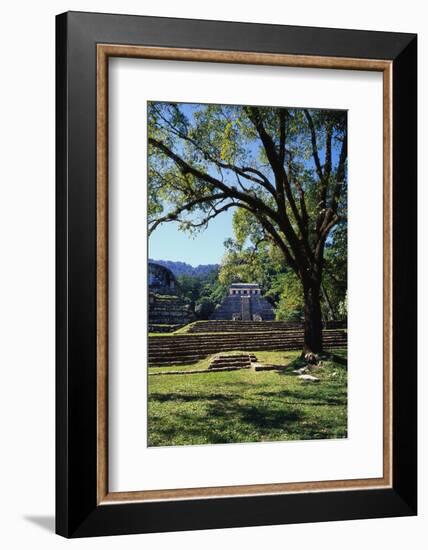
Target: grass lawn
[{"x": 247, "y": 406}]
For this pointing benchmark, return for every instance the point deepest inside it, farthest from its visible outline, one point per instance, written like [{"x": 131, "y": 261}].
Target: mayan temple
[{"x": 244, "y": 302}]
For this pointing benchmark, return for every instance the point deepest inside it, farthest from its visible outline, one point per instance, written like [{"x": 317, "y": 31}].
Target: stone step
[
  {"x": 220, "y": 361},
  {"x": 223, "y": 342},
  {"x": 176, "y": 361},
  {"x": 190, "y": 358},
  {"x": 202, "y": 355},
  {"x": 239, "y": 335},
  {"x": 184, "y": 345},
  {"x": 255, "y": 347},
  {"x": 233, "y": 325},
  {"x": 232, "y": 358},
  {"x": 229, "y": 330},
  {"x": 236, "y": 326},
  {"x": 250, "y": 330},
  {"x": 242, "y": 365},
  {"x": 181, "y": 339},
  {"x": 196, "y": 371},
  {"x": 240, "y": 342},
  {"x": 193, "y": 360},
  {"x": 257, "y": 367}
]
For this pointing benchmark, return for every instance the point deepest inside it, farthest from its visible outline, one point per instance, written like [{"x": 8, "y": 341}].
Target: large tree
[{"x": 285, "y": 168}]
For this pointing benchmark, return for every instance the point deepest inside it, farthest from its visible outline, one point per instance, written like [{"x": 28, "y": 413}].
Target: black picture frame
[{"x": 77, "y": 511}]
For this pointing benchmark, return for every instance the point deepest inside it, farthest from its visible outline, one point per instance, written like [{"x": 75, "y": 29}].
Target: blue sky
[{"x": 168, "y": 243}]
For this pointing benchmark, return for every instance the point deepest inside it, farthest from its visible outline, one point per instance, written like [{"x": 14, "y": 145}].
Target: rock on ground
[{"x": 308, "y": 378}]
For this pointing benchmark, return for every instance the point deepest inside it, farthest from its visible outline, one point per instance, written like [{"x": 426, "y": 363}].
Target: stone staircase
[
  {"x": 241, "y": 361},
  {"x": 253, "y": 326},
  {"x": 190, "y": 348}
]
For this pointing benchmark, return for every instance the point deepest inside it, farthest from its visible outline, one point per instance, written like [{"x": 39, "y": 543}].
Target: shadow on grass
[
  {"x": 295, "y": 364},
  {"x": 296, "y": 397},
  {"x": 194, "y": 416},
  {"x": 311, "y": 400},
  {"x": 264, "y": 418},
  {"x": 299, "y": 362},
  {"x": 343, "y": 361},
  {"x": 188, "y": 397},
  {"x": 227, "y": 420}
]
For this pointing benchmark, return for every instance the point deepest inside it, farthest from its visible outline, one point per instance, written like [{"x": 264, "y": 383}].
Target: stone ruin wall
[{"x": 166, "y": 308}]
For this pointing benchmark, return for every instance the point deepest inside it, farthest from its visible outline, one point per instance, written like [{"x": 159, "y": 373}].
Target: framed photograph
[{"x": 236, "y": 274}]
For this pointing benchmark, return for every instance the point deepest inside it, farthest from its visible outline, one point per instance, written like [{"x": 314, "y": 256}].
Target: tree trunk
[
  {"x": 313, "y": 322},
  {"x": 328, "y": 303}
]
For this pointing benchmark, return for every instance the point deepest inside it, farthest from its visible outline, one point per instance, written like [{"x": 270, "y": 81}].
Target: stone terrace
[
  {"x": 190, "y": 348},
  {"x": 253, "y": 326}
]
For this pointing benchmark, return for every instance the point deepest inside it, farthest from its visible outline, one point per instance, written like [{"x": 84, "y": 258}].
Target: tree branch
[
  {"x": 327, "y": 161},
  {"x": 263, "y": 181},
  {"x": 173, "y": 216},
  {"x": 216, "y": 212},
  {"x": 340, "y": 174},
  {"x": 281, "y": 180},
  {"x": 314, "y": 144},
  {"x": 282, "y": 114},
  {"x": 275, "y": 235},
  {"x": 229, "y": 191}
]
